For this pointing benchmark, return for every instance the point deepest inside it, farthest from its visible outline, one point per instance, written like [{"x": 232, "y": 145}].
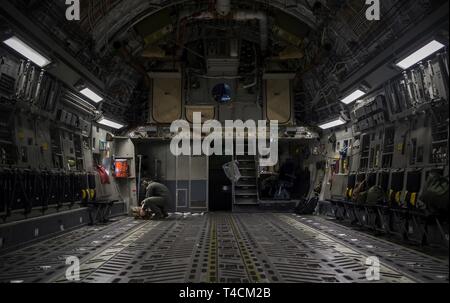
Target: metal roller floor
[{"x": 220, "y": 247}]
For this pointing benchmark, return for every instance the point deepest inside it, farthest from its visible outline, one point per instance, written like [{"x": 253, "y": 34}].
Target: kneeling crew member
[{"x": 156, "y": 199}]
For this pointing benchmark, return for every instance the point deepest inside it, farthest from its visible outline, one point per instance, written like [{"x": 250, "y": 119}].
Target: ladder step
[
  {"x": 247, "y": 168},
  {"x": 245, "y": 185},
  {"x": 242, "y": 193}
]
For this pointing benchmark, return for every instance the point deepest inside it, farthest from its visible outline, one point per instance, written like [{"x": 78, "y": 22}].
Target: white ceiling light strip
[
  {"x": 353, "y": 96},
  {"x": 91, "y": 95},
  {"x": 110, "y": 123},
  {"x": 338, "y": 122},
  {"x": 420, "y": 54},
  {"x": 27, "y": 51}
]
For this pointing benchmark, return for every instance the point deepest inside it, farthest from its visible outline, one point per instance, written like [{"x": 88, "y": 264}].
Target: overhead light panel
[
  {"x": 420, "y": 54},
  {"x": 337, "y": 122},
  {"x": 353, "y": 96},
  {"x": 27, "y": 51},
  {"x": 110, "y": 123},
  {"x": 91, "y": 95}
]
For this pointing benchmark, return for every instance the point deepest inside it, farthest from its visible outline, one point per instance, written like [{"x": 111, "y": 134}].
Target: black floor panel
[{"x": 220, "y": 247}]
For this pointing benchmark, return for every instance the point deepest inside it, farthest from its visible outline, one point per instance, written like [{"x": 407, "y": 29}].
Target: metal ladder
[{"x": 245, "y": 191}]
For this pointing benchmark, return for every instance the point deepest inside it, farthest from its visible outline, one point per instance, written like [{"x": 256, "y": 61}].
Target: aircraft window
[{"x": 222, "y": 93}]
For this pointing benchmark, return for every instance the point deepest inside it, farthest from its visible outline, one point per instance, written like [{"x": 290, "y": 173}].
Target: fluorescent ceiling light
[
  {"x": 333, "y": 123},
  {"x": 110, "y": 123},
  {"x": 353, "y": 96},
  {"x": 420, "y": 54},
  {"x": 91, "y": 95},
  {"x": 27, "y": 51}
]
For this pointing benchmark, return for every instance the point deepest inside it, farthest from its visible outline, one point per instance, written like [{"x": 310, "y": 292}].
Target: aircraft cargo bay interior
[{"x": 224, "y": 142}]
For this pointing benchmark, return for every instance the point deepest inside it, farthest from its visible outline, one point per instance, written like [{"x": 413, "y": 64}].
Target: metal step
[
  {"x": 248, "y": 173},
  {"x": 245, "y": 160},
  {"x": 240, "y": 186},
  {"x": 246, "y": 180},
  {"x": 245, "y": 193},
  {"x": 246, "y": 185},
  {"x": 247, "y": 168}
]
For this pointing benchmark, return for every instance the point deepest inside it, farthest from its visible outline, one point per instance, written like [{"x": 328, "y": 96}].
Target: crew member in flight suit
[{"x": 157, "y": 199}]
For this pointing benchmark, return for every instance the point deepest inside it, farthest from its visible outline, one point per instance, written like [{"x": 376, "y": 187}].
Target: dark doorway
[{"x": 220, "y": 187}]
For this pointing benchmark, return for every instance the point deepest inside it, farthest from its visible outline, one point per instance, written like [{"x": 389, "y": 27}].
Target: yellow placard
[
  {"x": 413, "y": 199},
  {"x": 92, "y": 193},
  {"x": 398, "y": 197}
]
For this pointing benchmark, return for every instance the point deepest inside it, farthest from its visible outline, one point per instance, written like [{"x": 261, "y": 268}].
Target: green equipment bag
[
  {"x": 362, "y": 198},
  {"x": 375, "y": 196},
  {"x": 435, "y": 194}
]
